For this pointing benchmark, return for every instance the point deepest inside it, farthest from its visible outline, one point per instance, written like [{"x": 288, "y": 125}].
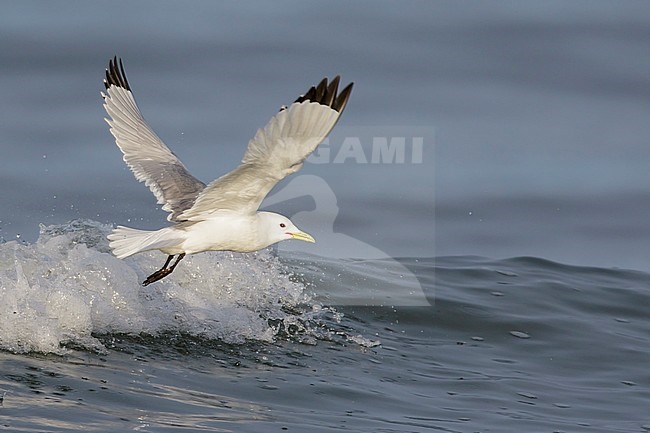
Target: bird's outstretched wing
[
  {"x": 146, "y": 155},
  {"x": 277, "y": 150}
]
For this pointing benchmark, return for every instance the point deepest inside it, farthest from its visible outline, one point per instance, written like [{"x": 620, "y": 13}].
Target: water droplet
[
  {"x": 269, "y": 387},
  {"x": 519, "y": 334}
]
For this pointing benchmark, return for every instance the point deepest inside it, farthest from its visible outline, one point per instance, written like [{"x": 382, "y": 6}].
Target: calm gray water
[{"x": 499, "y": 282}]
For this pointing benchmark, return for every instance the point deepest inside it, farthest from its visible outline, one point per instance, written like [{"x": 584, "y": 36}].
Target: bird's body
[
  {"x": 223, "y": 232},
  {"x": 224, "y": 214},
  {"x": 229, "y": 232}
]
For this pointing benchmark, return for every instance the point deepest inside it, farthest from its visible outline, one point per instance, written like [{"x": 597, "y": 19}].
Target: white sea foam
[{"x": 67, "y": 287}]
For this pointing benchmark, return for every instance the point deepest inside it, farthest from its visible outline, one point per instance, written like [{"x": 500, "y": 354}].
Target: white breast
[{"x": 223, "y": 233}]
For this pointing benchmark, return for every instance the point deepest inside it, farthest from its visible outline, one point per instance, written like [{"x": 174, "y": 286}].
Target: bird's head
[{"x": 276, "y": 228}]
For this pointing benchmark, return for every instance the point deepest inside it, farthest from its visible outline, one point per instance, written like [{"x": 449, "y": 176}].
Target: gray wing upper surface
[
  {"x": 146, "y": 155},
  {"x": 275, "y": 151}
]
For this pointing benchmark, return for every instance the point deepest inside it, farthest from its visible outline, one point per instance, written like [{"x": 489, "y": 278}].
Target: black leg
[
  {"x": 169, "y": 259},
  {"x": 164, "y": 271},
  {"x": 178, "y": 259}
]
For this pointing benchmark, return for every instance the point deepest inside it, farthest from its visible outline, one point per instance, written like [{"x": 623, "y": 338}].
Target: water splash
[{"x": 67, "y": 288}]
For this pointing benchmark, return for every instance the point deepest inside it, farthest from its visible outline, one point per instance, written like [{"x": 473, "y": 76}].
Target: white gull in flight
[{"x": 222, "y": 215}]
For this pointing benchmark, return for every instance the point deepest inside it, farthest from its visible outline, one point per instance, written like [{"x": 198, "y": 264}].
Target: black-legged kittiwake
[{"x": 222, "y": 215}]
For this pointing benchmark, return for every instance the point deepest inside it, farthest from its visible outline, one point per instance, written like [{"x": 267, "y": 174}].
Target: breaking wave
[{"x": 66, "y": 290}]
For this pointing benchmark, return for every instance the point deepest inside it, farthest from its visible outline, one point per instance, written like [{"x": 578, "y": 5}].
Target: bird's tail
[{"x": 125, "y": 241}]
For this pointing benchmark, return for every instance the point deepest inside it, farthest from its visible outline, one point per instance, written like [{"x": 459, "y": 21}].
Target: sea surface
[{"x": 481, "y": 215}]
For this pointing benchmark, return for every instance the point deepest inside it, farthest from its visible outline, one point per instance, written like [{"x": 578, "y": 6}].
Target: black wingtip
[
  {"x": 341, "y": 101},
  {"x": 326, "y": 94},
  {"x": 115, "y": 75},
  {"x": 330, "y": 94}
]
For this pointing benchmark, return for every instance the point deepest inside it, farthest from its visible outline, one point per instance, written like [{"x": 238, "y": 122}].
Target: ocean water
[
  {"x": 238, "y": 342},
  {"x": 481, "y": 216}
]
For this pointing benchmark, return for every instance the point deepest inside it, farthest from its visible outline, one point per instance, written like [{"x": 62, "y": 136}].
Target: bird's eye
[{"x": 283, "y": 225}]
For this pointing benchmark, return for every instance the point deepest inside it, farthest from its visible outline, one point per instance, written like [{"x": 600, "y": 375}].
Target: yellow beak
[{"x": 302, "y": 236}]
